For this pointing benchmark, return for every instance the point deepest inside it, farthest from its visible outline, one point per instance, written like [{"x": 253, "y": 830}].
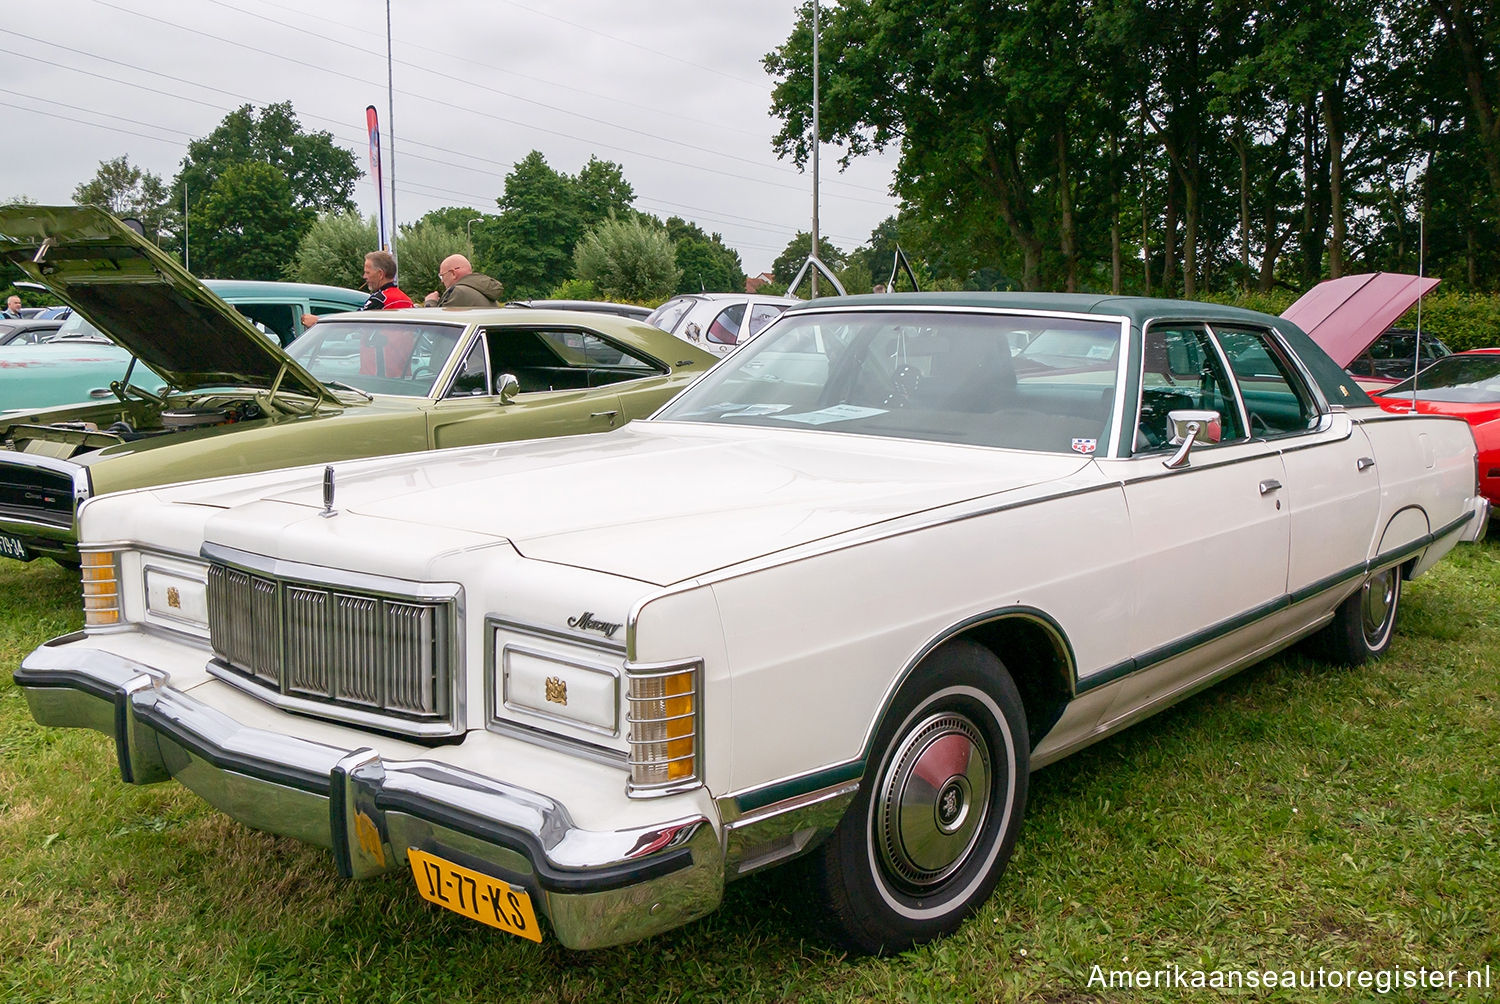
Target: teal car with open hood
[{"x": 224, "y": 398}]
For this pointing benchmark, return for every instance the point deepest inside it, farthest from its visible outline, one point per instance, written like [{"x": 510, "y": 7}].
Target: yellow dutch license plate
[{"x": 474, "y": 894}]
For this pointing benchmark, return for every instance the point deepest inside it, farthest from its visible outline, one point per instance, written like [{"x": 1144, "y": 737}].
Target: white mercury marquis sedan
[{"x": 838, "y": 599}]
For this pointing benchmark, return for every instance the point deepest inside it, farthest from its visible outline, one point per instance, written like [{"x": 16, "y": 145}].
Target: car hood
[
  {"x": 144, "y": 300},
  {"x": 1344, "y": 316},
  {"x": 657, "y": 502}
]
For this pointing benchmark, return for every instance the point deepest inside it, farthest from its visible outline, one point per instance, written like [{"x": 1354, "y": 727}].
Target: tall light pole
[
  {"x": 816, "y": 142},
  {"x": 390, "y": 98},
  {"x": 469, "y": 228}
]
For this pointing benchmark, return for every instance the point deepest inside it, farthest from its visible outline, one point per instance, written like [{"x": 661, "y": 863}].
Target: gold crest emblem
[
  {"x": 557, "y": 691},
  {"x": 174, "y": 598}
]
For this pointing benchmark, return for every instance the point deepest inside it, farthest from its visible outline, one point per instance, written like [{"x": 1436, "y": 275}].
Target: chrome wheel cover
[
  {"x": 933, "y": 802},
  {"x": 1377, "y": 604}
]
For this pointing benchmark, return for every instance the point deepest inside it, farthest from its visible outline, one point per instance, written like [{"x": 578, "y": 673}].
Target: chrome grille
[
  {"x": 368, "y": 652},
  {"x": 36, "y": 494}
]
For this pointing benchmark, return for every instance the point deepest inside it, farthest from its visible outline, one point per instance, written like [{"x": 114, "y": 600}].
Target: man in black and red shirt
[{"x": 380, "y": 280}]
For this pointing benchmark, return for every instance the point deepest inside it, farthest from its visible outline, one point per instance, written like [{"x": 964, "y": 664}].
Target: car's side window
[
  {"x": 279, "y": 319},
  {"x": 544, "y": 360},
  {"x": 725, "y": 329},
  {"x": 472, "y": 378},
  {"x": 1276, "y": 401},
  {"x": 762, "y": 314},
  {"x": 1181, "y": 370}
]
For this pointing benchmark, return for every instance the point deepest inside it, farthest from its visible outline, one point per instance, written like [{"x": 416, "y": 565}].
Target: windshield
[
  {"x": 950, "y": 377},
  {"x": 668, "y": 314},
  {"x": 400, "y": 358},
  {"x": 1464, "y": 378},
  {"x": 75, "y": 326}
]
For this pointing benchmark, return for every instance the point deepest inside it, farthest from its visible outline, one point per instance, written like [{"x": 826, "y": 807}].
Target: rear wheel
[
  {"x": 934, "y": 823},
  {"x": 1362, "y": 626}
]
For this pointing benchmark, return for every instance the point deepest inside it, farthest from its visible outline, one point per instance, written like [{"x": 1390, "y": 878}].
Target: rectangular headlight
[
  {"x": 176, "y": 596},
  {"x": 663, "y": 720},
  {"x": 101, "y": 588}
]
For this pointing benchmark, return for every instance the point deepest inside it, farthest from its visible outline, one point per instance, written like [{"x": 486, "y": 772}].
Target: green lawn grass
[{"x": 1296, "y": 817}]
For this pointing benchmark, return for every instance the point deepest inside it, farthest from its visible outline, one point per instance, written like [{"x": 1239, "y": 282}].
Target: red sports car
[{"x": 1467, "y": 385}]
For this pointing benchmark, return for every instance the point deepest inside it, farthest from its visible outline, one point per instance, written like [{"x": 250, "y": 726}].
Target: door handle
[
  {"x": 605, "y": 414},
  {"x": 1269, "y": 485},
  {"x": 1364, "y": 463}
]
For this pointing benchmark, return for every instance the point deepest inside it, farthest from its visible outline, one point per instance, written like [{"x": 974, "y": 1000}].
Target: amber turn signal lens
[
  {"x": 663, "y": 720},
  {"x": 101, "y": 588}
]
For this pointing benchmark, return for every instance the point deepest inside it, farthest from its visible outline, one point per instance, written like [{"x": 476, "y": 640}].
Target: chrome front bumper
[{"x": 596, "y": 888}]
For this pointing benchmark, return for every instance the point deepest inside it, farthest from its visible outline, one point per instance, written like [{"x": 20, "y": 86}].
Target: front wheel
[
  {"x": 1362, "y": 626},
  {"x": 936, "y": 818}
]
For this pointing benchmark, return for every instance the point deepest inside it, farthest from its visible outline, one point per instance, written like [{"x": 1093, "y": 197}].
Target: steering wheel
[{"x": 1256, "y": 420}]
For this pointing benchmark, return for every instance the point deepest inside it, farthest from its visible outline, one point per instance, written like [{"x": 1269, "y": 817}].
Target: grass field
[{"x": 1296, "y": 818}]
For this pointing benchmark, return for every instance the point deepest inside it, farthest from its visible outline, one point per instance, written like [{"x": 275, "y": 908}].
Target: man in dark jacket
[{"x": 464, "y": 287}]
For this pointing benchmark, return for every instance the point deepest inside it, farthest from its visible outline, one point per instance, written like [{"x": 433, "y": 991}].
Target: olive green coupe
[{"x": 356, "y": 385}]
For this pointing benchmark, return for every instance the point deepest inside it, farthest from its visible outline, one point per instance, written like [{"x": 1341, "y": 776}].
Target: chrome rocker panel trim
[{"x": 596, "y": 888}]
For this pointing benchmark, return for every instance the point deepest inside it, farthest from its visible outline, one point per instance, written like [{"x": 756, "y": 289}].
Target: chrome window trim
[
  {"x": 1277, "y": 347},
  {"x": 1229, "y": 375},
  {"x": 1121, "y": 369},
  {"x": 478, "y": 335},
  {"x": 519, "y": 730}
]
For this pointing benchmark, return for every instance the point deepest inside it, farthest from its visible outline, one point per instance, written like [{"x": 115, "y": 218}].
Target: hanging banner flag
[{"x": 373, "y": 122}]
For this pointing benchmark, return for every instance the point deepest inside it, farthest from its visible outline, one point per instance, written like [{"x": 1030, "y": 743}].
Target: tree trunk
[
  {"x": 1014, "y": 209},
  {"x": 1462, "y": 33},
  {"x": 1312, "y": 263},
  {"x": 1169, "y": 238},
  {"x": 1242, "y": 147},
  {"x": 1190, "y": 236},
  {"x": 1065, "y": 204},
  {"x": 1333, "y": 120},
  {"x": 1114, "y": 214}
]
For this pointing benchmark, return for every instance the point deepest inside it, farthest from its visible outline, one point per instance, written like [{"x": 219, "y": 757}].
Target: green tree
[
  {"x": 544, "y": 214},
  {"x": 246, "y": 226},
  {"x": 785, "y": 267},
  {"x": 628, "y": 259},
  {"x": 320, "y": 175},
  {"x": 333, "y": 249},
  {"x": 706, "y": 262},
  {"x": 420, "y": 250},
  {"x": 127, "y": 191}
]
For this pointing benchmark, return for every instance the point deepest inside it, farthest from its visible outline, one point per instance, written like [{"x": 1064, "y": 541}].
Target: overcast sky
[{"x": 672, "y": 90}]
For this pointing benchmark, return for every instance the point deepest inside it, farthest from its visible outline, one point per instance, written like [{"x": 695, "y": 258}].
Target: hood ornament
[{"x": 327, "y": 491}]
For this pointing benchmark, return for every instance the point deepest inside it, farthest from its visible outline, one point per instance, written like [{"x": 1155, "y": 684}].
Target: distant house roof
[{"x": 754, "y": 283}]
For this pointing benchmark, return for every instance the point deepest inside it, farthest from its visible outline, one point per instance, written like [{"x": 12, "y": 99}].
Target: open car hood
[
  {"x": 1344, "y": 316},
  {"x": 145, "y": 301}
]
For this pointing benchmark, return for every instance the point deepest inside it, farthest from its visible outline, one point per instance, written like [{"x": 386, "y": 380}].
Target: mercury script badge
[
  {"x": 586, "y": 622},
  {"x": 328, "y": 491}
]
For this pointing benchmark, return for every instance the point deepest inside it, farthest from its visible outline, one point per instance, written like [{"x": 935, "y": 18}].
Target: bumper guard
[{"x": 596, "y": 888}]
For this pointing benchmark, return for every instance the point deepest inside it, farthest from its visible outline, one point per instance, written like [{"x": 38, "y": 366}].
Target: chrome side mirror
[
  {"x": 507, "y": 387},
  {"x": 1192, "y": 428}
]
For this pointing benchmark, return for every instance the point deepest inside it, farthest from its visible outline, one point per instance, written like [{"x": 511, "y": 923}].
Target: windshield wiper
[{"x": 339, "y": 384}]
